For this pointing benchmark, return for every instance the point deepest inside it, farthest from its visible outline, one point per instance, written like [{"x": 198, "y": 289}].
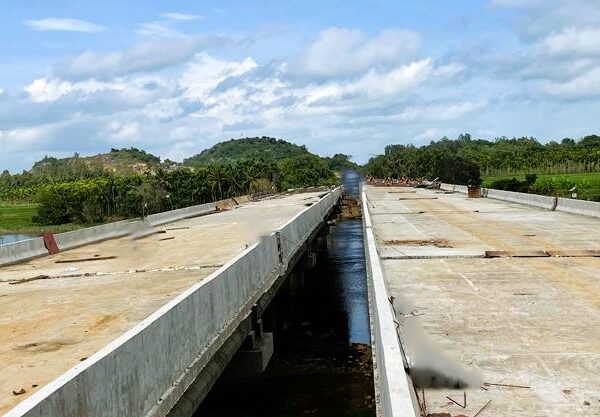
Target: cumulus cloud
[
  {"x": 206, "y": 73},
  {"x": 51, "y": 89},
  {"x": 147, "y": 56},
  {"x": 123, "y": 131},
  {"x": 573, "y": 42},
  {"x": 583, "y": 86},
  {"x": 342, "y": 52},
  {"x": 67, "y": 25}
]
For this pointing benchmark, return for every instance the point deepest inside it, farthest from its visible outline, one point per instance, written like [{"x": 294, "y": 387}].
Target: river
[{"x": 322, "y": 364}]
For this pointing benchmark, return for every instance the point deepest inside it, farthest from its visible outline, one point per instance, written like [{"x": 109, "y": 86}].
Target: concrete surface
[
  {"x": 394, "y": 394},
  {"x": 541, "y": 201},
  {"x": 587, "y": 208},
  {"x": 48, "y": 326},
  {"x": 21, "y": 250},
  {"x": 531, "y": 322}
]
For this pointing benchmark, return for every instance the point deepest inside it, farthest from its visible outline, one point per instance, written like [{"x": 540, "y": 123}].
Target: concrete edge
[
  {"x": 41, "y": 403},
  {"x": 565, "y": 205},
  {"x": 24, "y": 250},
  {"x": 393, "y": 387},
  {"x": 47, "y": 390}
]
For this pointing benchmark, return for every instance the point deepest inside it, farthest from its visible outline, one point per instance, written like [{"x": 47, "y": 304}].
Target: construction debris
[
  {"x": 21, "y": 281},
  {"x": 505, "y": 385},
  {"x": 482, "y": 408},
  {"x": 515, "y": 254},
  {"x": 439, "y": 243},
  {"x": 95, "y": 258}
]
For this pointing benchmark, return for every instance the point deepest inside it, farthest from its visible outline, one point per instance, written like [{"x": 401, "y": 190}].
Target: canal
[{"x": 322, "y": 365}]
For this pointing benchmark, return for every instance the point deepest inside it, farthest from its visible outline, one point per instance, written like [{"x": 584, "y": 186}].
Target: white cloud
[
  {"x": 206, "y": 73},
  {"x": 123, "y": 131},
  {"x": 163, "y": 109},
  {"x": 68, "y": 25},
  {"x": 583, "y": 86},
  {"x": 395, "y": 81},
  {"x": 573, "y": 41},
  {"x": 183, "y": 17},
  {"x": 145, "y": 57},
  {"x": 341, "y": 52},
  {"x": 158, "y": 29},
  {"x": 51, "y": 89}
]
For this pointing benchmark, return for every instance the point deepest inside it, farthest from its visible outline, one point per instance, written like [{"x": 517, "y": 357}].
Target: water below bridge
[{"x": 322, "y": 363}]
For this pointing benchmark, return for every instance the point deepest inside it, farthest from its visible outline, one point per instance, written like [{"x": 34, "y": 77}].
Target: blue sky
[{"x": 175, "y": 77}]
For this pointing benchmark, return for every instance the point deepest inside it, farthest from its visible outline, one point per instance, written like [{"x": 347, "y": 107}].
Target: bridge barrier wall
[
  {"x": 145, "y": 371},
  {"x": 19, "y": 251},
  {"x": 295, "y": 232},
  {"x": 535, "y": 200},
  {"x": 32, "y": 248},
  {"x": 127, "y": 377},
  {"x": 454, "y": 187},
  {"x": 392, "y": 384},
  {"x": 587, "y": 208},
  {"x": 179, "y": 214},
  {"x": 81, "y": 237}
]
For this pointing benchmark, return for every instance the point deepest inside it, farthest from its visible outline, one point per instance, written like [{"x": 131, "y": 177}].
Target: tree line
[
  {"x": 465, "y": 159},
  {"x": 99, "y": 198}
]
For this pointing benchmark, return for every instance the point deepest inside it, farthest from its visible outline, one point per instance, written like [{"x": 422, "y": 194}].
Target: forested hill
[
  {"x": 117, "y": 161},
  {"x": 265, "y": 148}
]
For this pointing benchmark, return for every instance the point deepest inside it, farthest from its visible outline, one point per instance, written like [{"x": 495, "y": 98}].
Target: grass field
[
  {"x": 589, "y": 182},
  {"x": 18, "y": 218}
]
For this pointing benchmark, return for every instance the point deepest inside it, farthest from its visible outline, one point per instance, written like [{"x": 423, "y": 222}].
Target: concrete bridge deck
[
  {"x": 49, "y": 325},
  {"x": 531, "y": 322}
]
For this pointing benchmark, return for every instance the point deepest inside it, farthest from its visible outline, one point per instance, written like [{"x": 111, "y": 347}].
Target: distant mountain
[
  {"x": 268, "y": 149},
  {"x": 117, "y": 161}
]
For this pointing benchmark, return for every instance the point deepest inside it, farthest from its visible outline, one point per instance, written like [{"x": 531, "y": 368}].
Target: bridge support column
[
  {"x": 252, "y": 358},
  {"x": 255, "y": 353},
  {"x": 297, "y": 282}
]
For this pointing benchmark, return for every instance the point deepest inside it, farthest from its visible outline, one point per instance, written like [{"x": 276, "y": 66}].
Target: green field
[
  {"x": 17, "y": 218},
  {"x": 588, "y": 182}
]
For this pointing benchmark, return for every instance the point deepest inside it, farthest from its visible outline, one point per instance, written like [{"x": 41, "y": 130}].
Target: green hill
[
  {"x": 117, "y": 161},
  {"x": 268, "y": 149}
]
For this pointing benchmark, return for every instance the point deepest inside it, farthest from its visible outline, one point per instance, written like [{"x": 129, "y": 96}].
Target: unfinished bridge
[{"x": 139, "y": 318}]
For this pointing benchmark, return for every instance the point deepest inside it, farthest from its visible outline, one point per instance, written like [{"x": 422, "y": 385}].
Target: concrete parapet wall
[
  {"x": 183, "y": 213},
  {"x": 295, "y": 232},
  {"x": 81, "y": 237},
  {"x": 587, "y": 208},
  {"x": 32, "y": 248},
  {"x": 454, "y": 187},
  {"x": 535, "y": 200},
  {"x": 393, "y": 388},
  {"x": 148, "y": 369},
  {"x": 129, "y": 376},
  {"x": 19, "y": 251}
]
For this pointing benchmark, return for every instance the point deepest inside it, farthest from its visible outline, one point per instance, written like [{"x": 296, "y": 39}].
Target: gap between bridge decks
[{"x": 508, "y": 254}]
